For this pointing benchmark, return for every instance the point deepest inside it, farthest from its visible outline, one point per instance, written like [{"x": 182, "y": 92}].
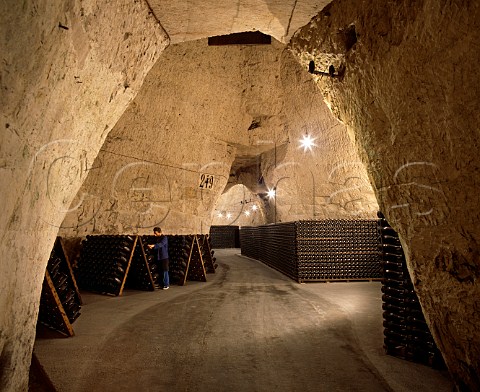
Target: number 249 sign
[{"x": 206, "y": 181}]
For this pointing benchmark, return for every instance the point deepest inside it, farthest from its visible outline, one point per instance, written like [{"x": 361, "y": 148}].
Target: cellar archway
[
  {"x": 71, "y": 71},
  {"x": 396, "y": 73}
]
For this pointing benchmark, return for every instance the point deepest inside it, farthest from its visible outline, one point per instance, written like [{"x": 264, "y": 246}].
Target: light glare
[{"x": 307, "y": 143}]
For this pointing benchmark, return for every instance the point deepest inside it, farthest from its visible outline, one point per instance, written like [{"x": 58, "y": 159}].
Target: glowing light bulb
[
  {"x": 307, "y": 143},
  {"x": 271, "y": 193},
  {"x": 254, "y": 207},
  {"x": 229, "y": 216},
  {"x": 247, "y": 213},
  {"x": 220, "y": 215}
]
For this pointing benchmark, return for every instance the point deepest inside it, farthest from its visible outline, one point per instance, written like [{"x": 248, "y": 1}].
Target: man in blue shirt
[{"x": 161, "y": 254}]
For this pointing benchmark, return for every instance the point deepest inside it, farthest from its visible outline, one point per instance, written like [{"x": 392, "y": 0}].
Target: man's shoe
[{"x": 166, "y": 287}]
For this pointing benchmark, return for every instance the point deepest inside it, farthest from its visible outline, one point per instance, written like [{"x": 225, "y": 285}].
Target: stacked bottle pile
[
  {"x": 337, "y": 249},
  {"x": 274, "y": 245},
  {"x": 406, "y": 333},
  {"x": 225, "y": 237},
  {"x": 316, "y": 250},
  {"x": 62, "y": 295},
  {"x": 250, "y": 241},
  {"x": 277, "y": 247},
  {"x": 104, "y": 262}
]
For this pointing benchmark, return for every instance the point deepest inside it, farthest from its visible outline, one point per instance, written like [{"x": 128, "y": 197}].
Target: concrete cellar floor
[{"x": 249, "y": 328}]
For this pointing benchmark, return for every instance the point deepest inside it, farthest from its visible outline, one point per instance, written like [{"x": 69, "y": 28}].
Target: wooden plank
[
  {"x": 147, "y": 266},
  {"x": 209, "y": 259},
  {"x": 128, "y": 266},
  {"x": 201, "y": 258},
  {"x": 72, "y": 276},
  {"x": 188, "y": 263},
  {"x": 53, "y": 293}
]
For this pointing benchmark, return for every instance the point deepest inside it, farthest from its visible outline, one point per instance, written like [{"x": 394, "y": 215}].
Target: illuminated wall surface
[{"x": 108, "y": 130}]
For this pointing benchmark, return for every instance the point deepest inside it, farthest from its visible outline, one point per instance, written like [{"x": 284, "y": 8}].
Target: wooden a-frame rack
[
  {"x": 195, "y": 268},
  {"x": 56, "y": 309},
  {"x": 136, "y": 261}
]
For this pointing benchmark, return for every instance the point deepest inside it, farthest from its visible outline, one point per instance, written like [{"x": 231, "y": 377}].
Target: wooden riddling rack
[
  {"x": 110, "y": 263},
  {"x": 191, "y": 257},
  {"x": 60, "y": 301},
  {"x": 307, "y": 251},
  {"x": 208, "y": 257},
  {"x": 105, "y": 261},
  {"x": 406, "y": 333},
  {"x": 143, "y": 272}
]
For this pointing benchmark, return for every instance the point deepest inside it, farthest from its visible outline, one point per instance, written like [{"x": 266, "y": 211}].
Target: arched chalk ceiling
[{"x": 195, "y": 19}]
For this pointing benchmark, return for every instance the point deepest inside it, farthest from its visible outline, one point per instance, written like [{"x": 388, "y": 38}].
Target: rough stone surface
[
  {"x": 235, "y": 207},
  {"x": 236, "y": 113},
  {"x": 196, "y": 19},
  {"x": 406, "y": 86},
  {"x": 68, "y": 70}
]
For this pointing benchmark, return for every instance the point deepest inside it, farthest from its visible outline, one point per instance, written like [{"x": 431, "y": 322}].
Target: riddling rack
[
  {"x": 143, "y": 273},
  {"x": 326, "y": 250},
  {"x": 104, "y": 263},
  {"x": 108, "y": 263},
  {"x": 406, "y": 333},
  {"x": 185, "y": 255},
  {"x": 207, "y": 253},
  {"x": 60, "y": 301}
]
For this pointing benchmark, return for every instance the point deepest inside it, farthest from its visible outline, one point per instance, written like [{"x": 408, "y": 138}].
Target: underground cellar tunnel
[{"x": 111, "y": 113}]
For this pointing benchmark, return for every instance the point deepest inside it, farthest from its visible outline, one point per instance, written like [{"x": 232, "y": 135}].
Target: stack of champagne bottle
[
  {"x": 406, "y": 333},
  {"x": 337, "y": 249},
  {"x": 276, "y": 247},
  {"x": 108, "y": 263},
  {"x": 316, "y": 250},
  {"x": 60, "y": 301},
  {"x": 104, "y": 262},
  {"x": 225, "y": 236},
  {"x": 250, "y": 241}
]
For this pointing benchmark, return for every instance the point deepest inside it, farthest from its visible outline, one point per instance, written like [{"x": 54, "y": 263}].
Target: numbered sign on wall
[{"x": 206, "y": 181}]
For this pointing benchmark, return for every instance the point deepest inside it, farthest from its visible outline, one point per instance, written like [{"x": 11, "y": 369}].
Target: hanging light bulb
[
  {"x": 229, "y": 215},
  {"x": 220, "y": 215},
  {"x": 307, "y": 143},
  {"x": 247, "y": 213},
  {"x": 254, "y": 207},
  {"x": 271, "y": 193}
]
